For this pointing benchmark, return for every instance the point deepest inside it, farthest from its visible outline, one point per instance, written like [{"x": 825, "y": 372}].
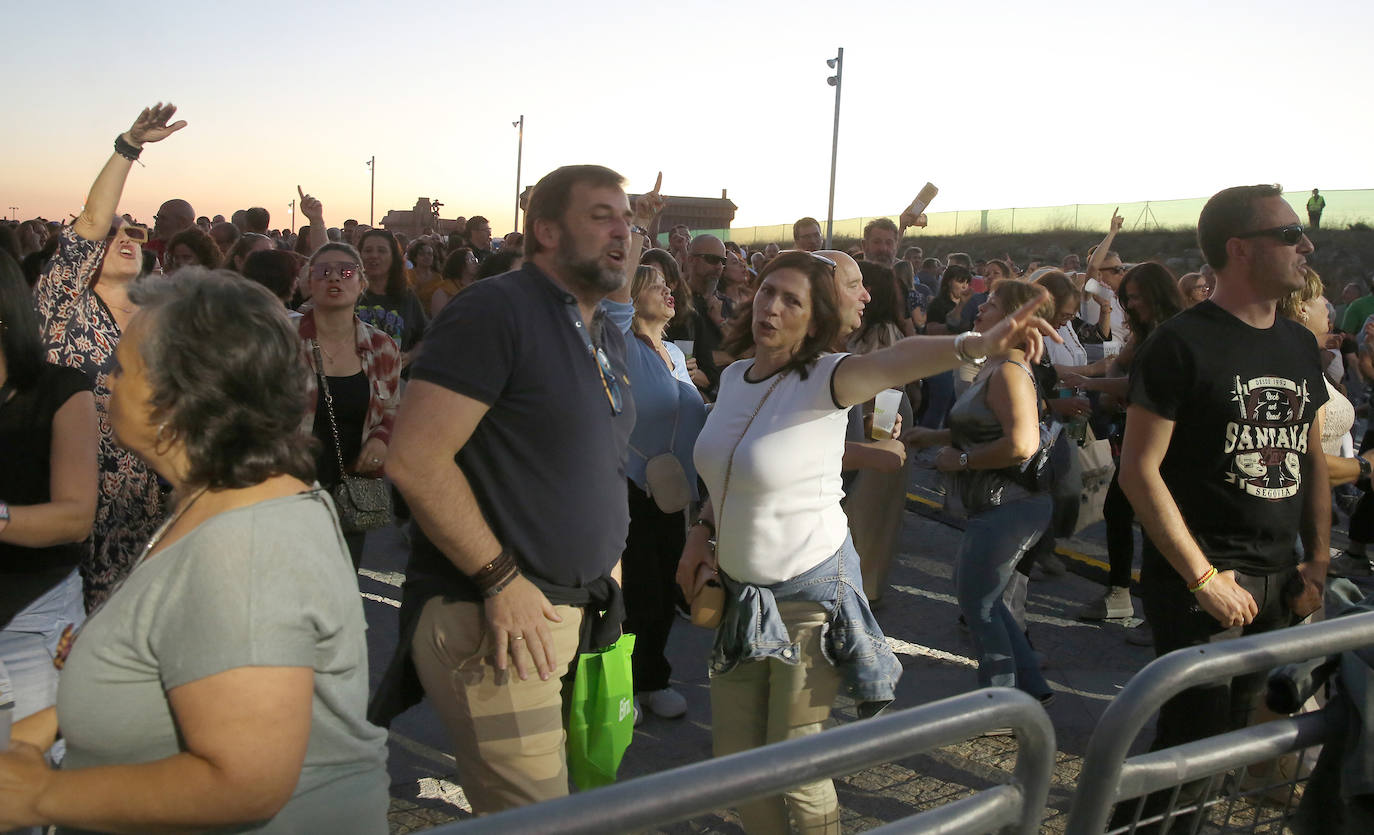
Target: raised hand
[
  {"x": 1117, "y": 221},
  {"x": 648, "y": 206},
  {"x": 310, "y": 206},
  {"x": 1023, "y": 329},
  {"x": 151, "y": 125}
]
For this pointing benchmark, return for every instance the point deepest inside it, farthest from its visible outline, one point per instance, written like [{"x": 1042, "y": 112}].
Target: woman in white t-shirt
[{"x": 770, "y": 456}]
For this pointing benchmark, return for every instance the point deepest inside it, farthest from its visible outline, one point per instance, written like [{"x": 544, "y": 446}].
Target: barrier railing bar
[
  {"x": 986, "y": 811},
  {"x": 1189, "y": 667},
  {"x": 1156, "y": 770},
  {"x": 690, "y": 790}
]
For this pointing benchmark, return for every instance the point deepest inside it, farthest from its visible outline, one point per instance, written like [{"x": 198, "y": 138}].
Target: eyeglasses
[
  {"x": 343, "y": 270},
  {"x": 1118, "y": 269},
  {"x": 1290, "y": 235},
  {"x": 715, "y": 260}
]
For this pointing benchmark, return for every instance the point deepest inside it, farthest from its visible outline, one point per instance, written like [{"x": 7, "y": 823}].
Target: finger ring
[
  {"x": 375, "y": 460},
  {"x": 518, "y": 638}
]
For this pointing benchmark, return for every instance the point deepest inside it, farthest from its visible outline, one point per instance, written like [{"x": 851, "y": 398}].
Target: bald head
[
  {"x": 850, "y": 293},
  {"x": 172, "y": 217},
  {"x": 705, "y": 263}
]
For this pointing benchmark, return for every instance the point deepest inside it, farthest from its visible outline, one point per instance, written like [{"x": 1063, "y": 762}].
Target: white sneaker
[
  {"x": 1115, "y": 604},
  {"x": 666, "y": 703}
]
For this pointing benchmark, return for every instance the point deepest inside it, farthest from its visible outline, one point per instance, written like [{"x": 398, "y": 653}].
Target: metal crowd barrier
[
  {"x": 681, "y": 793},
  {"x": 1110, "y": 777}
]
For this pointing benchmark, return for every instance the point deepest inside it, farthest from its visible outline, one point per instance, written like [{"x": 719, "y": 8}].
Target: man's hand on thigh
[{"x": 519, "y": 616}]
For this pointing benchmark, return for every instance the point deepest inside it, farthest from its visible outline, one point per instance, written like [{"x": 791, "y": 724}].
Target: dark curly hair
[
  {"x": 225, "y": 369},
  {"x": 396, "y": 273},
  {"x": 202, "y": 246},
  {"x": 825, "y": 312}
]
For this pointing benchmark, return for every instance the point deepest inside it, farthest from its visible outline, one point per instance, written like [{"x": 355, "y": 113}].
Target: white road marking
[
  {"x": 391, "y": 578},
  {"x": 1049, "y": 620}
]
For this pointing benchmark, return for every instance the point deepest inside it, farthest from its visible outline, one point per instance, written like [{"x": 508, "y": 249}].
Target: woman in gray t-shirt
[{"x": 224, "y": 683}]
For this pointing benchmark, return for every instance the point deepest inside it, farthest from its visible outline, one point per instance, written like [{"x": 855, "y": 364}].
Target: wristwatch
[
  {"x": 1362, "y": 482},
  {"x": 963, "y": 460},
  {"x": 5, "y": 515}
]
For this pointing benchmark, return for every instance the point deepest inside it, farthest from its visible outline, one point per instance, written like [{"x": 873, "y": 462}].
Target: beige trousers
[{"x": 761, "y": 702}]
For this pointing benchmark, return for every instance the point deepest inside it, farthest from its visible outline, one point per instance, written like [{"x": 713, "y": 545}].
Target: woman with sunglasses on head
[
  {"x": 796, "y": 627},
  {"x": 83, "y": 306},
  {"x": 362, "y": 366},
  {"x": 1195, "y": 288}
]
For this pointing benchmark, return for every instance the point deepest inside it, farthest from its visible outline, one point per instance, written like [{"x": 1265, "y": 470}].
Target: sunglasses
[
  {"x": 344, "y": 271},
  {"x": 609, "y": 383},
  {"x": 1118, "y": 269},
  {"x": 716, "y": 260},
  {"x": 1290, "y": 235},
  {"x": 136, "y": 232}
]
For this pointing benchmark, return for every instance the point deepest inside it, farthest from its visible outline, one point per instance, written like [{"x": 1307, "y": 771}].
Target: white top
[
  {"x": 781, "y": 516},
  {"x": 1336, "y": 423},
  {"x": 679, "y": 362},
  {"x": 1072, "y": 352},
  {"x": 1090, "y": 311}
]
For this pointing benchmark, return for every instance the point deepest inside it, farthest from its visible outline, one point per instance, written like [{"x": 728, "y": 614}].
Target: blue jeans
[
  {"x": 29, "y": 642},
  {"x": 994, "y": 541}
]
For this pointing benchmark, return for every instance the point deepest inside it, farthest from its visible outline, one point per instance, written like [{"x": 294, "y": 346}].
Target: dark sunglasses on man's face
[
  {"x": 1289, "y": 235},
  {"x": 714, "y": 260}
]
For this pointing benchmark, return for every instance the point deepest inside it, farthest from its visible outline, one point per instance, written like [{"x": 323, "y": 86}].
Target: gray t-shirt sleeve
[{"x": 238, "y": 603}]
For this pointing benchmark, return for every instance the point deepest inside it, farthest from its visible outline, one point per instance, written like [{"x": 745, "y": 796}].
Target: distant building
[
  {"x": 694, "y": 212},
  {"x": 419, "y": 220}
]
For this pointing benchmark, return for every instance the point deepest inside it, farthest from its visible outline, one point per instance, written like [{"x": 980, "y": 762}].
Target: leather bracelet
[
  {"x": 126, "y": 150},
  {"x": 496, "y": 575}
]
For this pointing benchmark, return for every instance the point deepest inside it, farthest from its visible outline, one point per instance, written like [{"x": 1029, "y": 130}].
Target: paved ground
[{"x": 1088, "y": 663}]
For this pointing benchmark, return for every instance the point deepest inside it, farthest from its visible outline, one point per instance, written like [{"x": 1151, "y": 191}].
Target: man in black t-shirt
[
  {"x": 510, "y": 448},
  {"x": 1223, "y": 460}
]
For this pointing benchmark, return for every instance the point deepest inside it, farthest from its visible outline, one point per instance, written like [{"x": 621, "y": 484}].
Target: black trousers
[
  {"x": 1119, "y": 518},
  {"x": 647, "y": 569},
  {"x": 1199, "y": 712}
]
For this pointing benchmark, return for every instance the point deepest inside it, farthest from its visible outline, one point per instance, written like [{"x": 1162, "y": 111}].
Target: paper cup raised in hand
[
  {"x": 686, "y": 346},
  {"x": 885, "y": 413}
]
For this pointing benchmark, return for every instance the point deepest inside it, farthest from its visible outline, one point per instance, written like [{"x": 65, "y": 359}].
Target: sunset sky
[{"x": 1000, "y": 103}]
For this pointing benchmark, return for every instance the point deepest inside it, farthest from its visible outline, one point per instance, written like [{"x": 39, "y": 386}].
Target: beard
[{"x": 589, "y": 272}]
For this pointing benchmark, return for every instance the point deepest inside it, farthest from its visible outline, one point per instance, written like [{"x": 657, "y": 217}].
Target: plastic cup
[
  {"x": 685, "y": 345},
  {"x": 885, "y": 413}
]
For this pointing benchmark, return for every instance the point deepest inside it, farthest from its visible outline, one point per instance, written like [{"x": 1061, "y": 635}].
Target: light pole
[
  {"x": 836, "y": 81},
  {"x": 372, "y": 198},
  {"x": 14, "y": 212},
  {"x": 292, "y": 212},
  {"x": 519, "y": 157}
]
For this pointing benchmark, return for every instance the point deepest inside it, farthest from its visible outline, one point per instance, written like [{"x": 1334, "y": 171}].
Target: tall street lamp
[
  {"x": 372, "y": 199},
  {"x": 519, "y": 157},
  {"x": 836, "y": 81}
]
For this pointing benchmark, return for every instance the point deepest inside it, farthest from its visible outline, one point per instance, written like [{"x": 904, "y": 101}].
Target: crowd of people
[{"x": 577, "y": 426}]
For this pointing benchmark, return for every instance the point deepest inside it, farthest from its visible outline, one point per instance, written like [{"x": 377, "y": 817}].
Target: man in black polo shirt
[
  {"x": 1223, "y": 461},
  {"x": 510, "y": 448}
]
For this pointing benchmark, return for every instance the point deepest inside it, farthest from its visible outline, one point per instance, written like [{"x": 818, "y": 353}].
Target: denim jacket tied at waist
[{"x": 851, "y": 640}]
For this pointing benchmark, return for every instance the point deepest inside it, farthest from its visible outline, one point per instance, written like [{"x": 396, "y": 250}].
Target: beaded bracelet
[
  {"x": 1203, "y": 580},
  {"x": 126, "y": 149}
]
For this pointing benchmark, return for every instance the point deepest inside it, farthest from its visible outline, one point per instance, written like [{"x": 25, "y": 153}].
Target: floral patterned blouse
[{"x": 80, "y": 332}]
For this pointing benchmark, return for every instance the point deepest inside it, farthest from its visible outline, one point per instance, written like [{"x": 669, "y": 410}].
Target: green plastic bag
[{"x": 601, "y": 714}]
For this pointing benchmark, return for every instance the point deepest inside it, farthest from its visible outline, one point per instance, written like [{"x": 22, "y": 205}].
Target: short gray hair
[{"x": 227, "y": 376}]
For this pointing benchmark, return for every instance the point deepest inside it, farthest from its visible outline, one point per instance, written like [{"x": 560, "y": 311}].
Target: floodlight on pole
[
  {"x": 836, "y": 81},
  {"x": 519, "y": 157}
]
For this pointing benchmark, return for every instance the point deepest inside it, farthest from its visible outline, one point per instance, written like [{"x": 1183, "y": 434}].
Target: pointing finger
[
  {"x": 658, "y": 183},
  {"x": 300, "y": 191}
]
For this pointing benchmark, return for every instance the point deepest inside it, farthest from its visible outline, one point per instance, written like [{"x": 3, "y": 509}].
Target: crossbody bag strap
[
  {"x": 730, "y": 462},
  {"x": 328, "y": 405}
]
